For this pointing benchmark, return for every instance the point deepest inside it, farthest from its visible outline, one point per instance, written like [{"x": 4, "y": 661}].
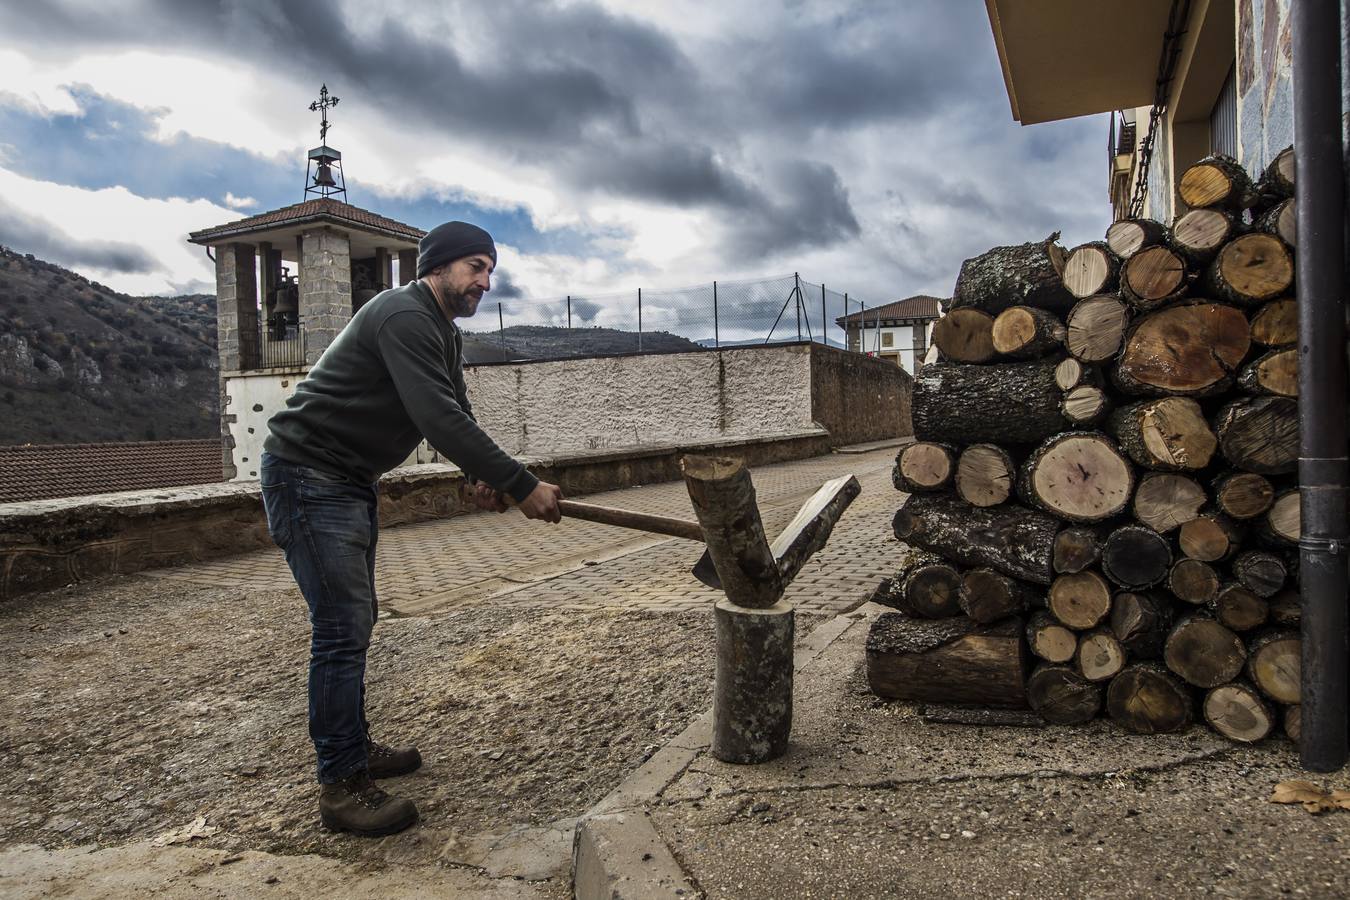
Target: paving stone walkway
[{"x": 506, "y": 559}]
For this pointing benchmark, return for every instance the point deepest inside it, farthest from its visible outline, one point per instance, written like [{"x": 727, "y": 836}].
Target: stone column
[
  {"x": 236, "y": 331},
  {"x": 325, "y": 288},
  {"x": 407, "y": 266},
  {"x": 920, "y": 331}
]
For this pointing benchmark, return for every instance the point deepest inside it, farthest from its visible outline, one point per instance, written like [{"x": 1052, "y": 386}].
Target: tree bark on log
[
  {"x": 1274, "y": 373},
  {"x": 1154, "y": 277},
  {"x": 1169, "y": 433},
  {"x": 1209, "y": 537},
  {"x": 1080, "y": 600},
  {"x": 1237, "y": 712},
  {"x": 987, "y": 596},
  {"x": 985, "y": 475},
  {"x": 1281, "y": 221},
  {"x": 1076, "y": 548},
  {"x": 1277, "y": 181},
  {"x": 1128, "y": 236},
  {"x": 1260, "y": 572},
  {"x": 1259, "y": 434},
  {"x": 1164, "y": 501},
  {"x": 1203, "y": 652},
  {"x": 965, "y": 336},
  {"x": 1092, "y": 268},
  {"x": 1050, "y": 640},
  {"x": 1252, "y": 268},
  {"x": 923, "y": 466},
  {"x": 1238, "y": 609},
  {"x": 1085, "y": 405},
  {"x": 1061, "y": 696},
  {"x": 1136, "y": 557},
  {"x": 1079, "y": 476},
  {"x": 1002, "y": 403},
  {"x": 1200, "y": 233},
  {"x": 752, "y": 693},
  {"x": 1189, "y": 349},
  {"x": 1100, "y": 656},
  {"x": 947, "y": 661},
  {"x": 1141, "y": 622},
  {"x": 724, "y": 502},
  {"x": 1026, "y": 332},
  {"x": 1147, "y": 699},
  {"x": 1095, "y": 328},
  {"x": 1217, "y": 181},
  {"x": 1243, "y": 495},
  {"x": 1021, "y": 275},
  {"x": 1274, "y": 665},
  {"x": 1008, "y": 538},
  {"x": 1193, "y": 581},
  {"x": 1275, "y": 324}
]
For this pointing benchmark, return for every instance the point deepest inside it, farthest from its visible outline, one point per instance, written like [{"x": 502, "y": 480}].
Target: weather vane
[{"x": 322, "y": 105}]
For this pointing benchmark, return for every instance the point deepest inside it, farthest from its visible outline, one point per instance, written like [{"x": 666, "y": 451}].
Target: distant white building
[{"x": 897, "y": 331}]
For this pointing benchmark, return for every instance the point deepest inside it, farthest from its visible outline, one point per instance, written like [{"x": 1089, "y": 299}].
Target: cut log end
[
  {"x": 1251, "y": 269},
  {"x": 1135, "y": 557},
  {"x": 1146, "y": 699},
  {"x": 1276, "y": 323},
  {"x": 985, "y": 475},
  {"x": 1204, "y": 652},
  {"x": 1079, "y": 476},
  {"x": 1096, "y": 328},
  {"x": 1164, "y": 501},
  {"x": 1063, "y": 697},
  {"x": 1152, "y": 277},
  {"x": 1085, "y": 404},
  {"x": 923, "y": 466},
  {"x": 1128, "y": 236},
  {"x": 1079, "y": 600},
  {"x": 1244, "y": 495},
  {"x": 1091, "y": 269},
  {"x": 965, "y": 336}
]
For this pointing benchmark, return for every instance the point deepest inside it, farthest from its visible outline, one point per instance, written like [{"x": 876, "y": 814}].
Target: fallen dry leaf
[
  {"x": 1341, "y": 799},
  {"x": 1312, "y": 798},
  {"x": 197, "y": 828}
]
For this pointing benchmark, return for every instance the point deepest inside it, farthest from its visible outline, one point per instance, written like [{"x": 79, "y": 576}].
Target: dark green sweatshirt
[{"x": 393, "y": 376}]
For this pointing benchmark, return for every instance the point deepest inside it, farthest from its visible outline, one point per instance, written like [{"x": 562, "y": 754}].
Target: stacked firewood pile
[{"x": 1103, "y": 490}]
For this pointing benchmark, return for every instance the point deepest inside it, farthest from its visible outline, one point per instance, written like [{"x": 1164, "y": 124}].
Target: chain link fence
[{"x": 703, "y": 317}]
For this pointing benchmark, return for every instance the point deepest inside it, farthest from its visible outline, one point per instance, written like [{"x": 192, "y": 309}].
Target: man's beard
[{"x": 462, "y": 305}]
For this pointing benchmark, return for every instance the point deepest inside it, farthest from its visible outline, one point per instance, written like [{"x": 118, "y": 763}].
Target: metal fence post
[
  {"x": 717, "y": 338},
  {"x": 639, "y": 320},
  {"x": 569, "y": 312},
  {"x": 846, "y": 346},
  {"x": 824, "y": 335},
  {"x": 501, "y": 332},
  {"x": 862, "y": 328}
]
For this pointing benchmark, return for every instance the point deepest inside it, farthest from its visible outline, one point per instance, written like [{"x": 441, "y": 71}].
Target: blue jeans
[{"x": 327, "y": 527}]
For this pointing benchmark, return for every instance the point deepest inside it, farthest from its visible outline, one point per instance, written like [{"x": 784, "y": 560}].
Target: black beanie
[{"x": 448, "y": 242}]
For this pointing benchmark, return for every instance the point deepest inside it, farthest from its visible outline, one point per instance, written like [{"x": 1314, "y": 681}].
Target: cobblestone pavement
[{"x": 433, "y": 566}]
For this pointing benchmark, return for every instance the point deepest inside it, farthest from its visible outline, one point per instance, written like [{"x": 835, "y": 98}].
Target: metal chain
[{"x": 1166, "y": 66}]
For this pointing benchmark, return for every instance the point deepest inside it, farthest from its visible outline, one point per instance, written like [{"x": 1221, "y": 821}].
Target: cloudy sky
[{"x": 607, "y": 145}]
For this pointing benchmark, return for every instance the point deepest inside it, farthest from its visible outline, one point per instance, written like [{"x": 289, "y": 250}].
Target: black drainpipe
[{"x": 1322, "y": 471}]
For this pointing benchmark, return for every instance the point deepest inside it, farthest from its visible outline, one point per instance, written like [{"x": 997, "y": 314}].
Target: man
[{"x": 392, "y": 377}]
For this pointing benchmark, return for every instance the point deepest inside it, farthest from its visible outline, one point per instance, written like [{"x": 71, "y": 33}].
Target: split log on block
[
  {"x": 1215, "y": 181},
  {"x": 752, "y": 692},
  {"x": 1275, "y": 324},
  {"x": 923, "y": 466},
  {"x": 1253, "y": 268},
  {"x": 947, "y": 661},
  {"x": 1070, "y": 373},
  {"x": 1092, "y": 268},
  {"x": 1080, "y": 476},
  {"x": 1282, "y": 222},
  {"x": 1203, "y": 652},
  {"x": 1260, "y": 572},
  {"x": 1009, "y": 538},
  {"x": 1193, "y": 581},
  {"x": 1273, "y": 665},
  {"x": 1237, "y": 608},
  {"x": 1259, "y": 434},
  {"x": 1243, "y": 495},
  {"x": 1200, "y": 233},
  {"x": 1085, "y": 405},
  {"x": 984, "y": 475},
  {"x": 1095, "y": 328},
  {"x": 723, "y": 497},
  {"x": 1286, "y": 609},
  {"x": 1079, "y": 600},
  {"x": 1076, "y": 548},
  {"x": 1002, "y": 403},
  {"x": 1277, "y": 182},
  {"x": 1165, "y": 501},
  {"x": 1061, "y": 696},
  {"x": 1238, "y": 712},
  {"x": 927, "y": 588},
  {"x": 1169, "y": 433},
  {"x": 1209, "y": 537},
  {"x": 1100, "y": 656},
  {"x": 1026, "y": 332},
  {"x": 1128, "y": 236},
  {"x": 1141, "y": 622},
  {"x": 1293, "y": 722},
  {"x": 1022, "y": 275},
  {"x": 1190, "y": 349},
  {"x": 1153, "y": 277},
  {"x": 1147, "y": 699},
  {"x": 1136, "y": 557},
  {"x": 1050, "y": 640},
  {"x": 965, "y": 336},
  {"x": 1274, "y": 373},
  {"x": 1282, "y": 525},
  {"x": 988, "y": 596}
]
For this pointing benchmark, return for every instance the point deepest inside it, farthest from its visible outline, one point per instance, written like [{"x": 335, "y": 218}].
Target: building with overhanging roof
[{"x": 897, "y": 331}]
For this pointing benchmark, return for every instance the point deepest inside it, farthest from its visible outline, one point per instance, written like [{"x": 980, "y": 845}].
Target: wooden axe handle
[{"x": 625, "y": 518}]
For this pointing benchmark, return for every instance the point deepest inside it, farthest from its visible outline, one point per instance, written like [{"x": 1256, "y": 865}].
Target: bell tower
[{"x": 323, "y": 174}]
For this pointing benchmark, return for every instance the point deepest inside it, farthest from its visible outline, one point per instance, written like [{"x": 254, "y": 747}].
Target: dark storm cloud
[
  {"x": 30, "y": 234},
  {"x": 503, "y": 288},
  {"x": 584, "y": 310},
  {"x": 813, "y": 212}
]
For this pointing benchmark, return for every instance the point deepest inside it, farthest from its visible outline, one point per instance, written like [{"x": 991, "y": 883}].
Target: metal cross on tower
[{"x": 322, "y": 105}]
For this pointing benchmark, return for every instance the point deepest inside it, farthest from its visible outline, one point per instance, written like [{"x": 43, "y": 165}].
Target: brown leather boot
[
  {"x": 357, "y": 804},
  {"x": 389, "y": 762}
]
